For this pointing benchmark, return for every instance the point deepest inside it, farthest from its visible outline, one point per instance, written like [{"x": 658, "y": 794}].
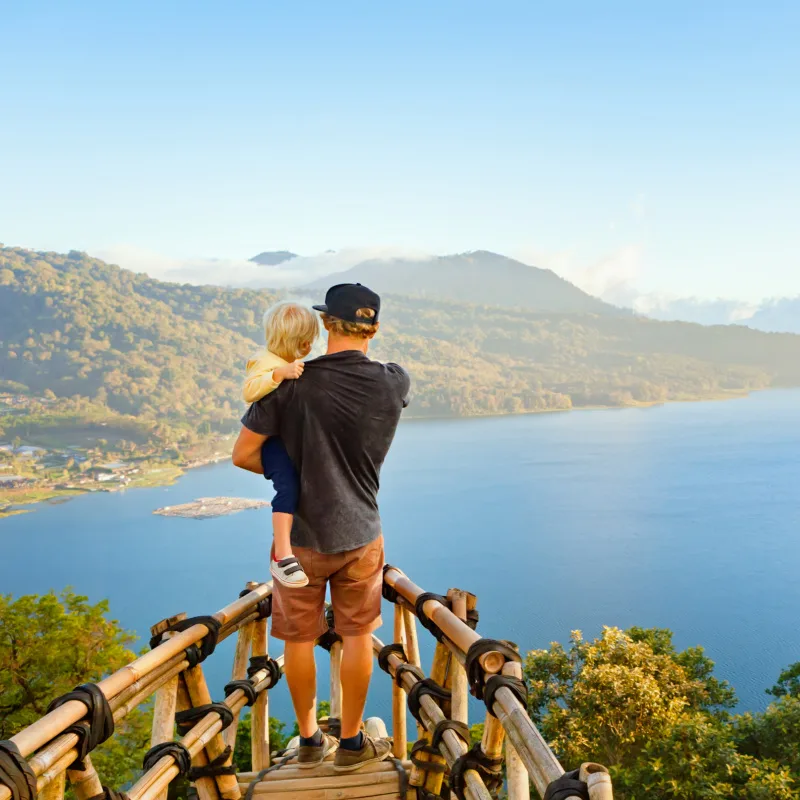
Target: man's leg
[
  {"x": 301, "y": 675},
  {"x": 356, "y": 672}
]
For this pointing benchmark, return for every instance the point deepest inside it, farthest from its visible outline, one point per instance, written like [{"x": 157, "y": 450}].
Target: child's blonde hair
[{"x": 287, "y": 327}]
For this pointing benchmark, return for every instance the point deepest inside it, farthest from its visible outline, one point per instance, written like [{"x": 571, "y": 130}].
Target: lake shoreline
[{"x": 50, "y": 495}]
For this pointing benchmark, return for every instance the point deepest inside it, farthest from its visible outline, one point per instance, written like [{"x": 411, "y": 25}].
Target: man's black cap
[{"x": 343, "y": 300}]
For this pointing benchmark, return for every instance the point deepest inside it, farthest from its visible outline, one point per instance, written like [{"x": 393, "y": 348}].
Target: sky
[{"x": 642, "y": 149}]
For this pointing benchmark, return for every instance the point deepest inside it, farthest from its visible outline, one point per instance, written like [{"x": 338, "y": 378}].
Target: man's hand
[
  {"x": 290, "y": 372},
  {"x": 247, "y": 451}
]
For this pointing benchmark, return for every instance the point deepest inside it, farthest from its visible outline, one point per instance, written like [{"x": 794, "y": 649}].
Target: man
[{"x": 337, "y": 422}]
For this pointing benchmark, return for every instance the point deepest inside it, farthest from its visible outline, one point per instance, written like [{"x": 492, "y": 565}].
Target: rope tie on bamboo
[
  {"x": 401, "y": 771},
  {"x": 389, "y": 592},
  {"x": 186, "y": 720},
  {"x": 568, "y": 785},
  {"x": 436, "y": 767},
  {"x": 257, "y": 663},
  {"x": 518, "y": 687},
  {"x": 179, "y": 753},
  {"x": 286, "y": 757},
  {"x": 15, "y": 772},
  {"x": 195, "y": 654},
  {"x": 214, "y": 768},
  {"x": 424, "y": 620},
  {"x": 328, "y": 639},
  {"x": 460, "y": 729},
  {"x": 110, "y": 794},
  {"x": 98, "y": 724},
  {"x": 490, "y": 770},
  {"x": 473, "y": 666},
  {"x": 386, "y": 651},
  {"x": 412, "y": 669},
  {"x": 428, "y": 687},
  {"x": 263, "y": 606},
  {"x": 249, "y": 690}
]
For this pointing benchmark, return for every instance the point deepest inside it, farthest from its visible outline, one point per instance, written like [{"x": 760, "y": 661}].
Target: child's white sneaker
[{"x": 288, "y": 572}]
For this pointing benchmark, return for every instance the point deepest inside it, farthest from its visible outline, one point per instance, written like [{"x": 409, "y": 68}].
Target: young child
[{"x": 290, "y": 331}]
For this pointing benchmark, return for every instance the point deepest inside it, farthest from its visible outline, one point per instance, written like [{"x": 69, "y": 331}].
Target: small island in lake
[{"x": 209, "y": 507}]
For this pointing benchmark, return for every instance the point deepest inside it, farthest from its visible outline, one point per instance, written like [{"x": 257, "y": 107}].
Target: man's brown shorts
[{"x": 355, "y": 577}]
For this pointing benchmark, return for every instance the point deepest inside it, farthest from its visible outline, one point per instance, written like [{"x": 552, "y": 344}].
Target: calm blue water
[{"x": 685, "y": 516}]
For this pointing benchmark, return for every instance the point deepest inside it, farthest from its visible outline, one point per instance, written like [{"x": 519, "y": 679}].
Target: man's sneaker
[
  {"x": 372, "y": 751},
  {"x": 289, "y": 572},
  {"x": 309, "y": 756}
]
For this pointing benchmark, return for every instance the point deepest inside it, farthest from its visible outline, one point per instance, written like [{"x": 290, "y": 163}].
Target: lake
[{"x": 684, "y": 516}]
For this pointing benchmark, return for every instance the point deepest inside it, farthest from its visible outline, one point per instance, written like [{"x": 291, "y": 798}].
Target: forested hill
[{"x": 174, "y": 354}]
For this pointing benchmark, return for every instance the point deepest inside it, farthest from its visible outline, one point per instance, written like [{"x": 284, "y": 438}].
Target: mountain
[
  {"x": 273, "y": 258},
  {"x": 478, "y": 277},
  {"x": 79, "y": 336}
]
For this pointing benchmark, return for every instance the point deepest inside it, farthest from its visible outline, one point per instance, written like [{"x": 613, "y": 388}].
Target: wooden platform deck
[{"x": 289, "y": 782}]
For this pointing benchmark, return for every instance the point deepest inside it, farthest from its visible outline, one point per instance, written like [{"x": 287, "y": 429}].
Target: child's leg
[
  {"x": 282, "y": 534},
  {"x": 278, "y": 468}
]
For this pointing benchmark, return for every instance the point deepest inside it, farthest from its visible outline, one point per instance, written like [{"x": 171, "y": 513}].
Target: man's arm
[{"x": 247, "y": 451}]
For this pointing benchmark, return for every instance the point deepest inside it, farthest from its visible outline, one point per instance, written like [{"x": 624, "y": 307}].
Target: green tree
[
  {"x": 48, "y": 645},
  {"x": 698, "y": 760},
  {"x": 243, "y": 752},
  {"x": 658, "y": 719},
  {"x": 602, "y": 700}
]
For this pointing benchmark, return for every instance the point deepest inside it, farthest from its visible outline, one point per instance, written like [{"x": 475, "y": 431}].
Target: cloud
[
  {"x": 242, "y": 273},
  {"x": 611, "y": 277},
  {"x": 717, "y": 311}
]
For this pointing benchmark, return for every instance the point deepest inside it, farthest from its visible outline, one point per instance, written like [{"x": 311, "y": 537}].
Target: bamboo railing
[
  {"x": 507, "y": 726},
  {"x": 172, "y": 674},
  {"x": 50, "y": 748}
]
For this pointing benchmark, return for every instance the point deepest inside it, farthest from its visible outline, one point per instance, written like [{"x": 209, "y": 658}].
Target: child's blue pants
[{"x": 279, "y": 469}]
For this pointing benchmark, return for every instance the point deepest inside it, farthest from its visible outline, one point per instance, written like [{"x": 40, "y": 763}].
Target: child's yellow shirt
[{"x": 258, "y": 382}]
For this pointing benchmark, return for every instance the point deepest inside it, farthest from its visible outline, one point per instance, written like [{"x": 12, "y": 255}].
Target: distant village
[{"x": 30, "y": 472}]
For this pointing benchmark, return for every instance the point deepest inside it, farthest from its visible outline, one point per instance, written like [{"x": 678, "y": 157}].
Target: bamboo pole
[
  {"x": 260, "y": 713},
  {"x": 164, "y": 717},
  {"x": 597, "y": 780},
  {"x": 412, "y": 639},
  {"x": 459, "y": 686},
  {"x": 85, "y": 783},
  {"x": 55, "y": 789},
  {"x": 540, "y": 762},
  {"x": 459, "y": 633},
  {"x": 199, "y": 695},
  {"x": 55, "y": 752},
  {"x": 244, "y": 642},
  {"x": 202, "y": 734},
  {"x": 451, "y": 747},
  {"x": 517, "y": 780},
  {"x": 206, "y": 787},
  {"x": 336, "y": 680},
  {"x": 518, "y": 783},
  {"x": 399, "y": 719},
  {"x": 36, "y": 735},
  {"x": 493, "y": 731}
]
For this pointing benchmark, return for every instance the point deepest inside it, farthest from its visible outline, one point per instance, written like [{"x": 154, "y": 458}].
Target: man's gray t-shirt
[{"x": 337, "y": 422}]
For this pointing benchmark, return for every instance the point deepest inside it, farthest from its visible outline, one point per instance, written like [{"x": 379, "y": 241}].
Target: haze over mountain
[
  {"x": 581, "y": 287},
  {"x": 478, "y": 277}
]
